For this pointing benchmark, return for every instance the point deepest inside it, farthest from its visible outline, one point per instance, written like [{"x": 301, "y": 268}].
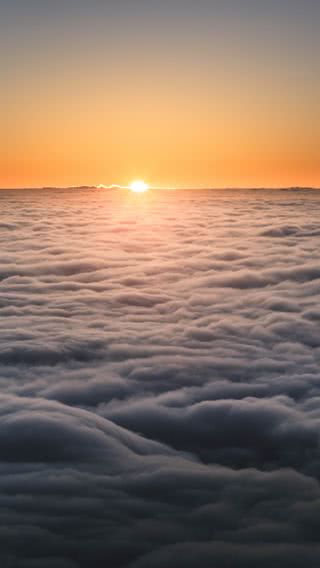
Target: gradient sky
[{"x": 177, "y": 92}]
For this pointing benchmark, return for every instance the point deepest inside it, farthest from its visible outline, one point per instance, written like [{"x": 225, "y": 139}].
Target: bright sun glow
[{"x": 139, "y": 186}]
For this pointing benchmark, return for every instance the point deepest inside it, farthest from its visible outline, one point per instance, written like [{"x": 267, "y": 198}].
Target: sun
[{"x": 139, "y": 186}]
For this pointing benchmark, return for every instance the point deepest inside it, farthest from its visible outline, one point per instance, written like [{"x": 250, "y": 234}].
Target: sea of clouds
[{"x": 159, "y": 379}]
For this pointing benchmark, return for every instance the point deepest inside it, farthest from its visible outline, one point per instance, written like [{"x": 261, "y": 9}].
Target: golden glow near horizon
[{"x": 138, "y": 186}]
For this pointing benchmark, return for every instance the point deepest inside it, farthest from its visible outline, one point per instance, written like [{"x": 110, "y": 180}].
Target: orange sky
[{"x": 189, "y": 108}]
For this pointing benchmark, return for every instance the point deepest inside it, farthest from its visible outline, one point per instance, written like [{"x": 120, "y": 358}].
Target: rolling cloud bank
[{"x": 160, "y": 379}]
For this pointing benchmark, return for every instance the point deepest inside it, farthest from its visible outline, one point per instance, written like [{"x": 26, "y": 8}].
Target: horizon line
[{"x": 168, "y": 188}]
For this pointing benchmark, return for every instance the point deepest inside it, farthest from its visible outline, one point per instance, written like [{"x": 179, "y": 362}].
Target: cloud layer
[{"x": 160, "y": 383}]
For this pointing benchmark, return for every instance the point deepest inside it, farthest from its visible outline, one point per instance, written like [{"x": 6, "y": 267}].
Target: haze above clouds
[{"x": 160, "y": 383}]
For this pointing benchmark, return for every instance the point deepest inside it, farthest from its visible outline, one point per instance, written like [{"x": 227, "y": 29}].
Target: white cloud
[{"x": 160, "y": 378}]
